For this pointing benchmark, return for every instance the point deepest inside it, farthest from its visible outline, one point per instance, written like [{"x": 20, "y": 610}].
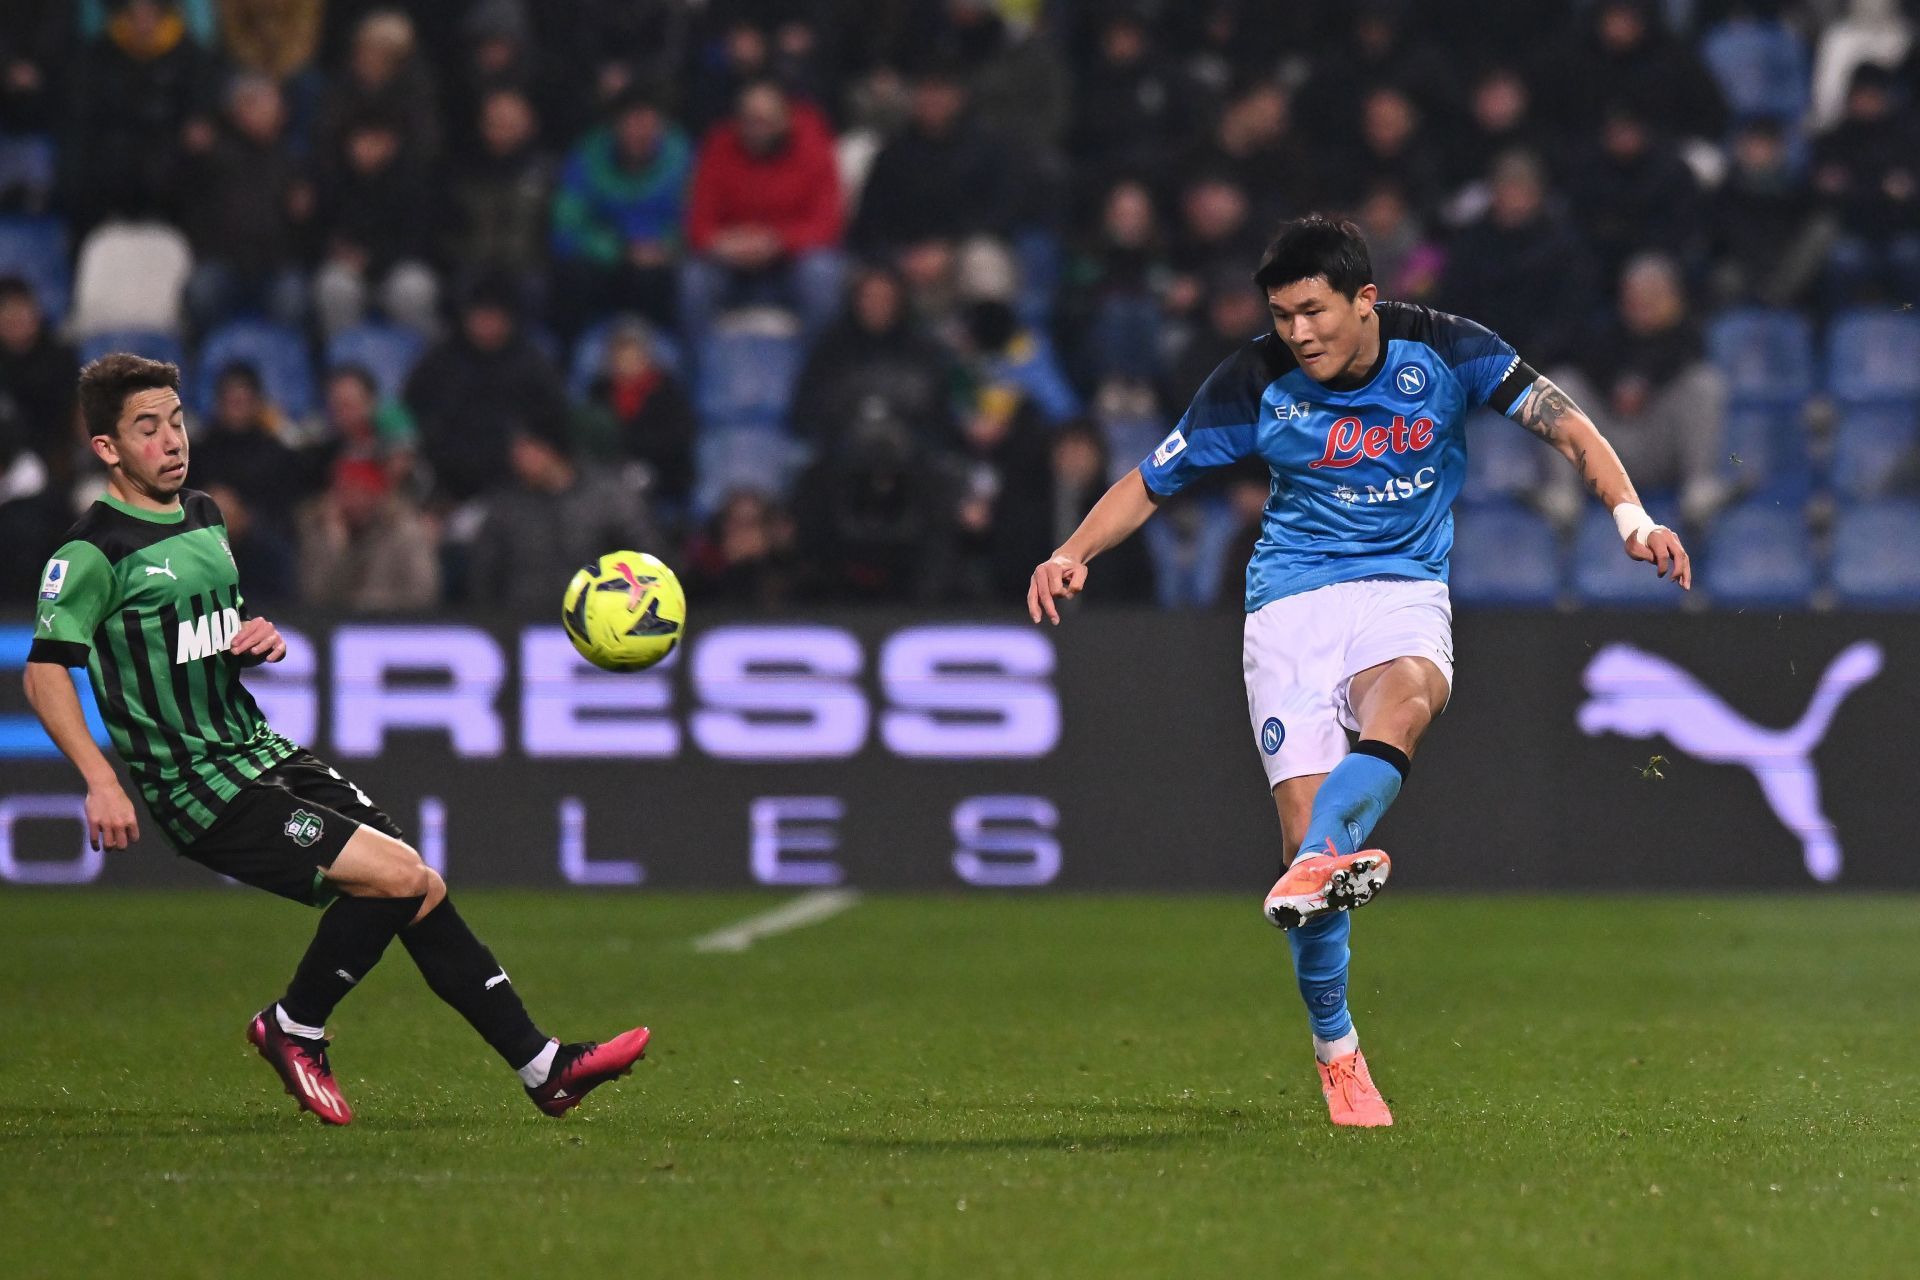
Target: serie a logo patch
[{"x": 53, "y": 580}]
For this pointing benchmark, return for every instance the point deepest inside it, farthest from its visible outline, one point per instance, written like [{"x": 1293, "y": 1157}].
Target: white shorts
[{"x": 1302, "y": 652}]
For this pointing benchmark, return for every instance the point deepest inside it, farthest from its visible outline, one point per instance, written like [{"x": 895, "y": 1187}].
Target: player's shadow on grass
[
  {"x": 1073, "y": 1128},
  {"x": 1035, "y": 1142},
  {"x": 23, "y": 1124}
]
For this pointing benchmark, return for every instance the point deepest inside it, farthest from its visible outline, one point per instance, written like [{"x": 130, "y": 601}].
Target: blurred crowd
[{"x": 871, "y": 299}]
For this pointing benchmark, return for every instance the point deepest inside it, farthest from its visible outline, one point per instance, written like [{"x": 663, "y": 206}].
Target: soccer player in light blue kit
[{"x": 1359, "y": 409}]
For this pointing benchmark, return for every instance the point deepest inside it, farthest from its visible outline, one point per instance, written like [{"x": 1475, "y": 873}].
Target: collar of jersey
[
  {"x": 1370, "y": 376},
  {"x": 174, "y": 516}
]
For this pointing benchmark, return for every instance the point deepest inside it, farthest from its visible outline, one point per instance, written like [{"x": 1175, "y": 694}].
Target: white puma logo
[
  {"x": 1640, "y": 694},
  {"x": 166, "y": 567},
  {"x": 495, "y": 980}
]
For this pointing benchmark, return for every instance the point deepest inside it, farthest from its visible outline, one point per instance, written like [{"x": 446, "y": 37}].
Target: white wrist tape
[{"x": 1633, "y": 522}]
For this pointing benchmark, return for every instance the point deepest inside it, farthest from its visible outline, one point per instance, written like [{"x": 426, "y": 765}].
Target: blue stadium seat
[
  {"x": 1761, "y": 67},
  {"x": 1603, "y": 575},
  {"x": 590, "y": 353},
  {"x": 1126, "y": 336},
  {"x": 29, "y": 165},
  {"x": 1876, "y": 555},
  {"x": 1873, "y": 357},
  {"x": 760, "y": 458},
  {"x": 1766, "y": 452},
  {"x": 280, "y": 354},
  {"x": 1759, "y": 554},
  {"x": 154, "y": 346},
  {"x": 1876, "y": 448},
  {"x": 1041, "y": 257},
  {"x": 1767, "y": 357},
  {"x": 1130, "y": 438},
  {"x": 1193, "y": 553},
  {"x": 1504, "y": 555},
  {"x": 1030, "y": 366},
  {"x": 35, "y": 249},
  {"x": 747, "y": 376},
  {"x": 387, "y": 351},
  {"x": 1504, "y": 460}
]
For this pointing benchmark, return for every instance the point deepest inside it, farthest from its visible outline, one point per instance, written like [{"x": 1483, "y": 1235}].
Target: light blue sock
[
  {"x": 1345, "y": 810},
  {"x": 1350, "y": 802},
  {"x": 1320, "y": 957}
]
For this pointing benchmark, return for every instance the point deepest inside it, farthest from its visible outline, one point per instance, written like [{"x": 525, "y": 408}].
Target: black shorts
[{"x": 284, "y": 829}]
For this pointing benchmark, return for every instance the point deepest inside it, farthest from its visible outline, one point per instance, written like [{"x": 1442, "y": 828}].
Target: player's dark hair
[
  {"x": 241, "y": 371},
  {"x": 12, "y": 287},
  {"x": 106, "y": 383},
  {"x": 377, "y": 117},
  {"x": 640, "y": 95},
  {"x": 1317, "y": 245},
  {"x": 944, "y": 66},
  {"x": 359, "y": 373}
]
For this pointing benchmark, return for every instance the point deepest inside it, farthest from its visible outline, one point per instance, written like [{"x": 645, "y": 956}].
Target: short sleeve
[
  {"x": 1220, "y": 427},
  {"x": 76, "y": 592},
  {"x": 1492, "y": 372}
]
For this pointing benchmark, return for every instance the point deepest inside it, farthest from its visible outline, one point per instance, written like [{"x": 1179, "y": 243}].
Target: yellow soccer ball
[{"x": 625, "y": 611}]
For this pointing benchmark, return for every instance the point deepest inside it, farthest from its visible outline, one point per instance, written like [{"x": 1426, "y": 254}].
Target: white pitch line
[{"x": 808, "y": 908}]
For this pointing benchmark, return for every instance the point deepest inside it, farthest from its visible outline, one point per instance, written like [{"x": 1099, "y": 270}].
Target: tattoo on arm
[
  {"x": 1551, "y": 414},
  {"x": 1587, "y": 477},
  {"x": 1546, "y": 410}
]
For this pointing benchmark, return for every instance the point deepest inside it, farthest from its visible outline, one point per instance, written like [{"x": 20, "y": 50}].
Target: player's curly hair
[
  {"x": 1317, "y": 245},
  {"x": 106, "y": 383}
]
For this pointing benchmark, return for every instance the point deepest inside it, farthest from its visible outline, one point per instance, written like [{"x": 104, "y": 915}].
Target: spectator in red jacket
[{"x": 766, "y": 217}]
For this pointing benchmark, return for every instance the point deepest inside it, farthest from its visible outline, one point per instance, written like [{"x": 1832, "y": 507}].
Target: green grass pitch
[{"x": 968, "y": 1086}]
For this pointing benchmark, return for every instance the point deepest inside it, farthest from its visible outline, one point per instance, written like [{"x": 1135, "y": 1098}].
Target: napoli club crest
[
  {"x": 1411, "y": 379},
  {"x": 1272, "y": 734}
]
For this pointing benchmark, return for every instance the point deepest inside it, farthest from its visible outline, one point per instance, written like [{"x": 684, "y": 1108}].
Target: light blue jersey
[{"x": 1363, "y": 479}]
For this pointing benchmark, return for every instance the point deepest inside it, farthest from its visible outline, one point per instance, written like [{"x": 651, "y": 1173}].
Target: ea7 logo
[{"x": 1641, "y": 695}]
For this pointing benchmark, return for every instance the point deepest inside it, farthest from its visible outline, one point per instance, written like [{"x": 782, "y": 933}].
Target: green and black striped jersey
[{"x": 148, "y": 602}]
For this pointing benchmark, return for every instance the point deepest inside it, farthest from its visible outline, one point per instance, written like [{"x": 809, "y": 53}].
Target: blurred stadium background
[
  {"x": 850, "y": 309},
  {"x": 463, "y": 299},
  {"x": 461, "y": 294}
]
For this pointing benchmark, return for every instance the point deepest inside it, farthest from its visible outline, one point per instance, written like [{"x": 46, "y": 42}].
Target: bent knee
[
  {"x": 412, "y": 876},
  {"x": 402, "y": 874},
  {"x": 1406, "y": 719}
]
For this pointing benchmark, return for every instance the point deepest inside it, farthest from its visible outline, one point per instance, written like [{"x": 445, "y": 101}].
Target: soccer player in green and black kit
[{"x": 146, "y": 596}]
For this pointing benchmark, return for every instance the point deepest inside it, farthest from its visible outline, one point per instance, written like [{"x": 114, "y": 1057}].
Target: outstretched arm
[
  {"x": 1120, "y": 511},
  {"x": 1552, "y": 415},
  {"x": 110, "y": 817}
]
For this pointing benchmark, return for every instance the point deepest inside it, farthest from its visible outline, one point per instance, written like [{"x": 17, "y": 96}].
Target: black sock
[
  {"x": 464, "y": 973},
  {"x": 1385, "y": 751},
  {"x": 352, "y": 935}
]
